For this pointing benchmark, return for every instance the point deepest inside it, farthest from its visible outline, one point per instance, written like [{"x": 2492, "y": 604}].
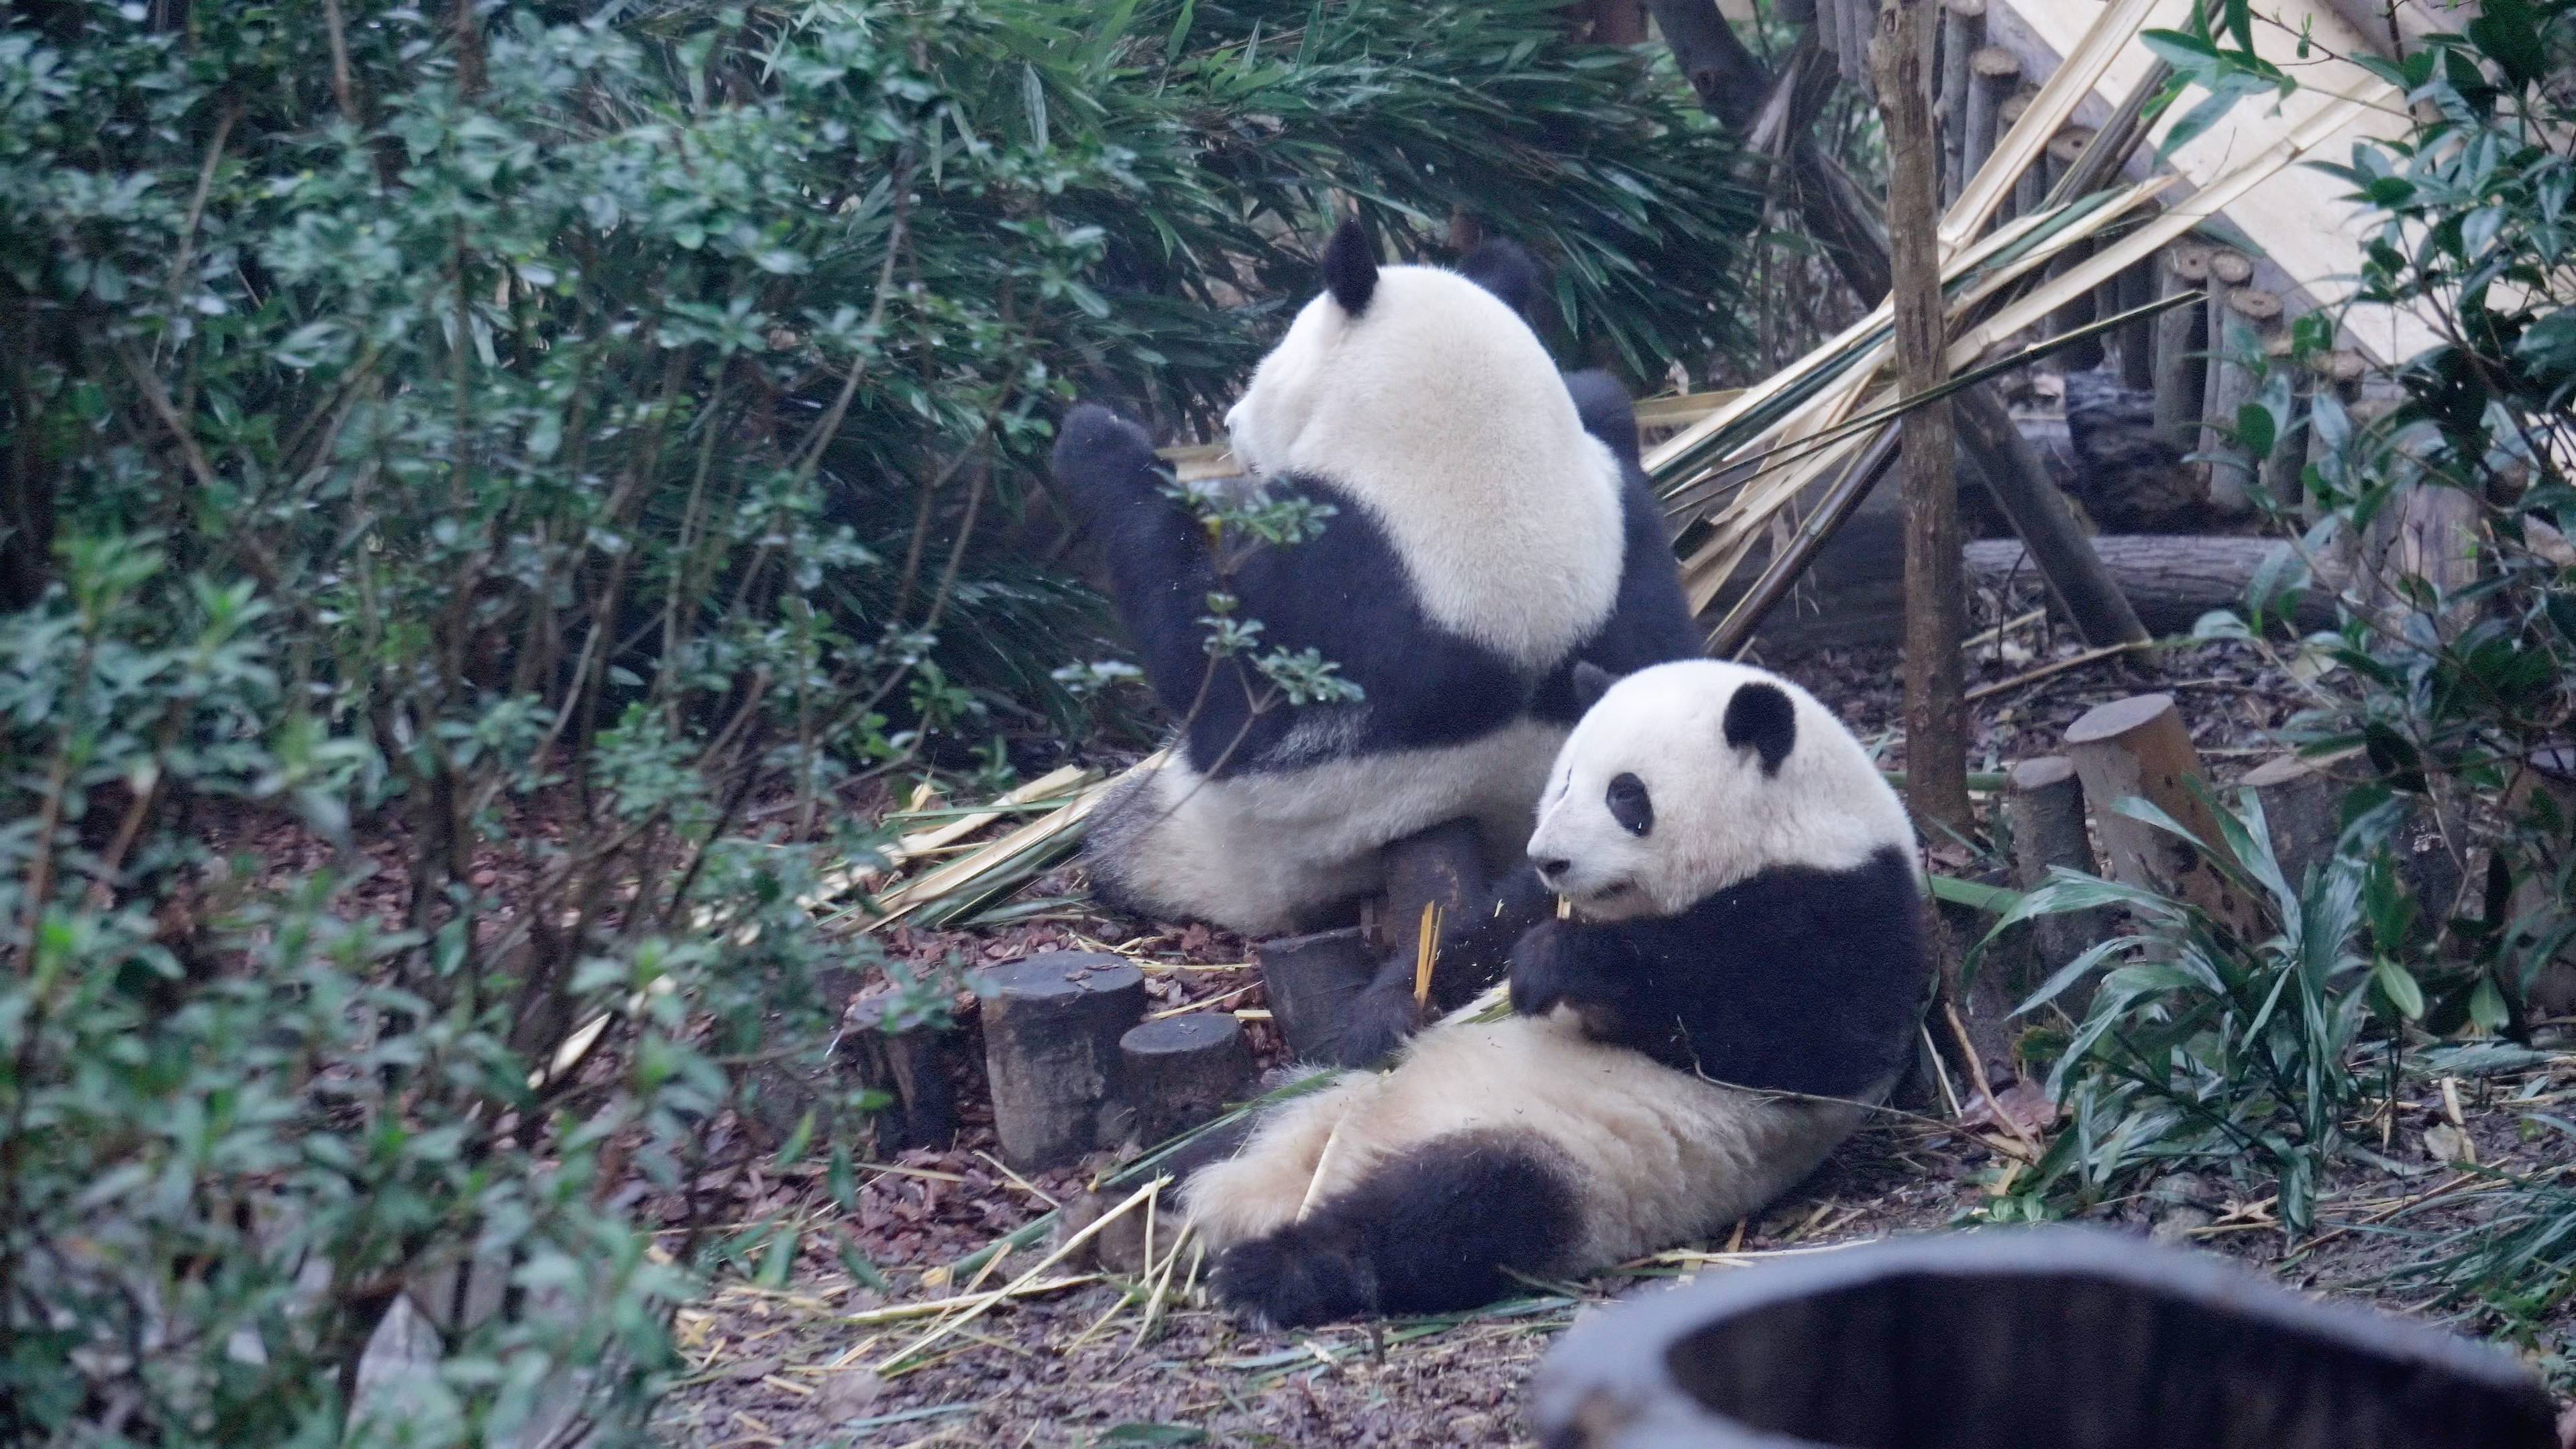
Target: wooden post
[
  {"x": 1051, "y": 1028},
  {"x": 2181, "y": 346},
  {"x": 1308, "y": 980},
  {"x": 2139, "y": 746},
  {"x": 2284, "y": 470},
  {"x": 1963, "y": 32},
  {"x": 2030, "y": 190},
  {"x": 1992, "y": 74},
  {"x": 2044, "y": 803},
  {"x": 2063, "y": 148},
  {"x": 911, "y": 1067},
  {"x": 1182, "y": 1070},
  {"x": 1936, "y": 712},
  {"x": 2007, "y": 116},
  {"x": 2243, "y": 324},
  {"x": 2137, "y": 340}
]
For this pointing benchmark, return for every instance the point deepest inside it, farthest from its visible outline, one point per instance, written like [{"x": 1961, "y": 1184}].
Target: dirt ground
[{"x": 1082, "y": 1365}]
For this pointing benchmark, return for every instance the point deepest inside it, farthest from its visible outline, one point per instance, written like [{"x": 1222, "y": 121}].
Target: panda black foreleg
[
  {"x": 1155, "y": 548},
  {"x": 1441, "y": 1227},
  {"x": 1472, "y": 954}
]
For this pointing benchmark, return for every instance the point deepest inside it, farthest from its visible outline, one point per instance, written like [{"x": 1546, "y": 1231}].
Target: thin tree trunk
[{"x": 1936, "y": 712}]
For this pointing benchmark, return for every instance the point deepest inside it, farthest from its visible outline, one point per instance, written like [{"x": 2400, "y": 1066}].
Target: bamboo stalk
[{"x": 1018, "y": 1285}]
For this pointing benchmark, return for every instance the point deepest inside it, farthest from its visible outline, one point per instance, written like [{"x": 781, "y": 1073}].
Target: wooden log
[
  {"x": 1309, "y": 979},
  {"x": 2136, "y": 341},
  {"x": 1183, "y": 1070},
  {"x": 2247, "y": 318},
  {"x": 1963, "y": 32},
  {"x": 1051, "y": 1029},
  {"x": 2044, "y": 804},
  {"x": 910, "y": 1065},
  {"x": 2181, "y": 346},
  {"x": 2172, "y": 579},
  {"x": 1992, "y": 73},
  {"x": 2139, "y": 746},
  {"x": 2063, "y": 150}
]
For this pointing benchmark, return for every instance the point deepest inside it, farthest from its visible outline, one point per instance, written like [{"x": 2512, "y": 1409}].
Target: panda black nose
[{"x": 1550, "y": 870}]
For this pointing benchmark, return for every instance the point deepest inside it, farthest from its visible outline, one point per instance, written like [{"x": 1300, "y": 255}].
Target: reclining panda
[
  {"x": 1742, "y": 974},
  {"x": 1483, "y": 542}
]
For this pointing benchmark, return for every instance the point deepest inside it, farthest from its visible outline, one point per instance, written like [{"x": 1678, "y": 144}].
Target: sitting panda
[
  {"x": 1480, "y": 547},
  {"x": 1741, "y": 976}
]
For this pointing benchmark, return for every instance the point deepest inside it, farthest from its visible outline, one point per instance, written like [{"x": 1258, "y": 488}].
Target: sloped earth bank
[{"x": 793, "y": 1366}]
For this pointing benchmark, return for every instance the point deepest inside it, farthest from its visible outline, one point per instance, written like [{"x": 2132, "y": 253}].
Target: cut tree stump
[
  {"x": 1182, "y": 1070},
  {"x": 1309, "y": 979},
  {"x": 2301, "y": 813},
  {"x": 911, "y": 1067},
  {"x": 1443, "y": 866},
  {"x": 2044, "y": 802},
  {"x": 1051, "y": 1029},
  {"x": 2139, "y": 746}
]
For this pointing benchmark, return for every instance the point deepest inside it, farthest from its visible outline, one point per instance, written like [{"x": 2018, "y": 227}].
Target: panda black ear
[
  {"x": 1350, "y": 267},
  {"x": 1591, "y": 681},
  {"x": 1761, "y": 716}
]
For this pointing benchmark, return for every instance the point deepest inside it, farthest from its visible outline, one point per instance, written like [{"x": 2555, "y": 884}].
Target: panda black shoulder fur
[
  {"x": 1478, "y": 551},
  {"x": 1747, "y": 926}
]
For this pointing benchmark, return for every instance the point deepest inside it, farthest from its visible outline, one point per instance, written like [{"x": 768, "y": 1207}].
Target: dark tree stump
[
  {"x": 1309, "y": 979},
  {"x": 2045, "y": 803},
  {"x": 911, "y": 1067},
  {"x": 1443, "y": 866},
  {"x": 1182, "y": 1070},
  {"x": 1051, "y": 1029}
]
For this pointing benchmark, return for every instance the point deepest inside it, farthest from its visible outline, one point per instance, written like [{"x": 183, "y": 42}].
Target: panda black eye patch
[{"x": 1630, "y": 805}]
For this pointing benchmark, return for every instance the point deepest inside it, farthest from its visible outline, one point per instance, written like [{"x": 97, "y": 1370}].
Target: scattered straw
[
  {"x": 1089, "y": 1231},
  {"x": 1426, "y": 950}
]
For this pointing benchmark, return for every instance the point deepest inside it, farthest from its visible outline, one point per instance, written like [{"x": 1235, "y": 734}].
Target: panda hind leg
[{"x": 1441, "y": 1227}]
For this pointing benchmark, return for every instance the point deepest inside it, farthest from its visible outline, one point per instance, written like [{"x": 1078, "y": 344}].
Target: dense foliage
[
  {"x": 2440, "y": 505},
  {"x": 487, "y": 489}
]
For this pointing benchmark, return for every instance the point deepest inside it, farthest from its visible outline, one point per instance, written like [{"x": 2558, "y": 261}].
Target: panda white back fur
[
  {"x": 1480, "y": 548},
  {"x": 1742, "y": 975}
]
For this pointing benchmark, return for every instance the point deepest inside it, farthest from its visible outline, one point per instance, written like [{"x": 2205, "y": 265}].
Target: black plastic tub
[{"x": 2043, "y": 1338}]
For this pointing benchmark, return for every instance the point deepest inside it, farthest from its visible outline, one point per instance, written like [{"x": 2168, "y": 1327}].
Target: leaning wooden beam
[{"x": 2018, "y": 481}]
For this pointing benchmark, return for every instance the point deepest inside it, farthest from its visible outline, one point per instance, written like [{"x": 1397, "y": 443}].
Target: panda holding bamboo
[
  {"x": 1483, "y": 541},
  {"x": 1737, "y": 983}
]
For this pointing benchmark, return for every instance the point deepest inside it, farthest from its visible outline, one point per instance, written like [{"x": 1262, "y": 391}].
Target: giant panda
[
  {"x": 1740, "y": 976},
  {"x": 1479, "y": 549}
]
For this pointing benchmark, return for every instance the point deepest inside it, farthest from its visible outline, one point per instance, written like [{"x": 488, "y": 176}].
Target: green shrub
[{"x": 485, "y": 486}]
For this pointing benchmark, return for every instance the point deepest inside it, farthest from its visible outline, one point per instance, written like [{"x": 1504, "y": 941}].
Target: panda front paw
[
  {"x": 1100, "y": 455},
  {"x": 1291, "y": 1279},
  {"x": 1544, "y": 967},
  {"x": 1376, "y": 1022}
]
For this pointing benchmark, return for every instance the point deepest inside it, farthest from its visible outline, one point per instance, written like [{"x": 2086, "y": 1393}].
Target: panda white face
[{"x": 1688, "y": 777}]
